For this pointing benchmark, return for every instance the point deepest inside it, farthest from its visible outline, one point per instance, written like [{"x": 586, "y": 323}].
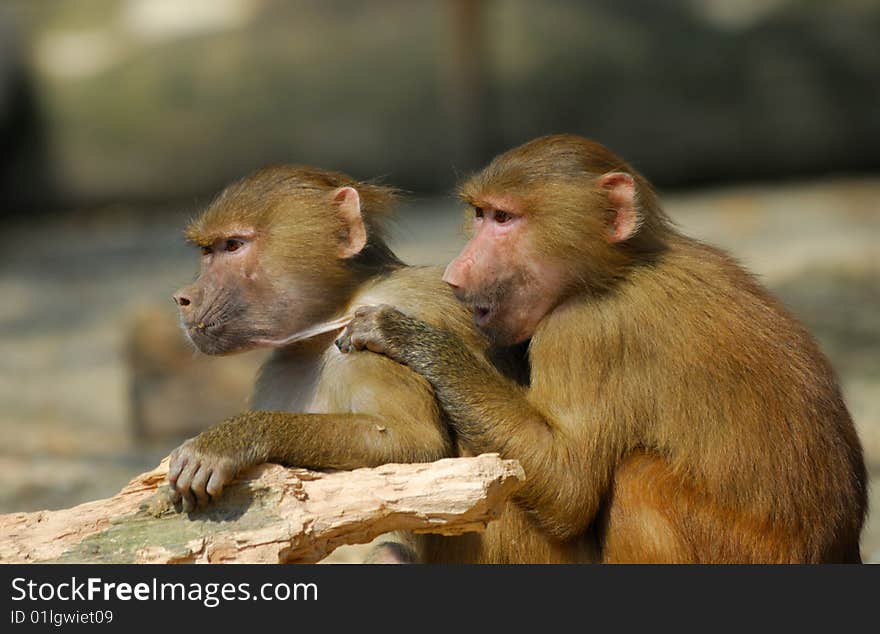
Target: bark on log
[{"x": 270, "y": 515}]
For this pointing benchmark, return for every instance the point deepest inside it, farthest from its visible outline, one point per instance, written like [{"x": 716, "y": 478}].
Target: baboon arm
[
  {"x": 568, "y": 468},
  {"x": 324, "y": 441},
  {"x": 567, "y": 474},
  {"x": 201, "y": 467}
]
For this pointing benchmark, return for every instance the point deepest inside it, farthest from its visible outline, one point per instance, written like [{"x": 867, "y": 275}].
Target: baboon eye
[
  {"x": 232, "y": 245},
  {"x": 501, "y": 217},
  {"x": 478, "y": 212},
  {"x": 206, "y": 250}
]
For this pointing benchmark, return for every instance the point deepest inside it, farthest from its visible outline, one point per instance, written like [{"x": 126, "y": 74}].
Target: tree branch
[{"x": 270, "y": 515}]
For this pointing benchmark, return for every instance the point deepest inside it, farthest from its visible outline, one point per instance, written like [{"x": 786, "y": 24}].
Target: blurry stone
[
  {"x": 174, "y": 391},
  {"x": 24, "y": 177}
]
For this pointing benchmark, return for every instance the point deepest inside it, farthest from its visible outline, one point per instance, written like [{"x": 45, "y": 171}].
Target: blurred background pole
[{"x": 469, "y": 84}]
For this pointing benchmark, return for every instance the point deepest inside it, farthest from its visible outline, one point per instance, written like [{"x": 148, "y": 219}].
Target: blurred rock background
[{"x": 119, "y": 119}]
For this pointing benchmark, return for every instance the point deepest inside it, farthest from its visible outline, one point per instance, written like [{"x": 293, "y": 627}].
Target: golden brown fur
[
  {"x": 754, "y": 454},
  {"x": 676, "y": 411},
  {"x": 312, "y": 406}
]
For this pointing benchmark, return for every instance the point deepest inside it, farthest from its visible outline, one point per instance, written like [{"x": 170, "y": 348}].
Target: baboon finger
[
  {"x": 219, "y": 477},
  {"x": 198, "y": 485},
  {"x": 188, "y": 501},
  {"x": 178, "y": 462}
]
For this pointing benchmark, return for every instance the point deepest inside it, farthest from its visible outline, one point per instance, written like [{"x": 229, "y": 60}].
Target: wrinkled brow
[{"x": 205, "y": 238}]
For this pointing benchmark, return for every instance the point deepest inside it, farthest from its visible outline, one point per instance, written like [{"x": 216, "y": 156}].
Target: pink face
[
  {"x": 500, "y": 275},
  {"x": 233, "y": 305}
]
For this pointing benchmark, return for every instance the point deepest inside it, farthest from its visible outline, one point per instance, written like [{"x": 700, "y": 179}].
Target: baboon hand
[
  {"x": 197, "y": 476},
  {"x": 374, "y": 328}
]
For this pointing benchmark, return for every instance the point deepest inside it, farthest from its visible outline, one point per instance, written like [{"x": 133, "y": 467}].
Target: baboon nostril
[{"x": 181, "y": 300}]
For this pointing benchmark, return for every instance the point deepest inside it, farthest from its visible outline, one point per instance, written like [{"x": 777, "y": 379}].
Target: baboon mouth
[
  {"x": 206, "y": 336},
  {"x": 212, "y": 339},
  {"x": 482, "y": 315},
  {"x": 204, "y": 327}
]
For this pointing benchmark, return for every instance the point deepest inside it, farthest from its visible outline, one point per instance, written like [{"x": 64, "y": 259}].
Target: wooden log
[{"x": 270, "y": 515}]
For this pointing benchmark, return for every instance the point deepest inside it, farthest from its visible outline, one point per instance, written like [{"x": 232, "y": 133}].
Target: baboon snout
[
  {"x": 187, "y": 298},
  {"x": 457, "y": 272},
  {"x": 181, "y": 299}
]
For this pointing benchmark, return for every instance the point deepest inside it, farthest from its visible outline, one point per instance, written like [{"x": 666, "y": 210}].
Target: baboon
[
  {"x": 676, "y": 411},
  {"x": 285, "y": 255}
]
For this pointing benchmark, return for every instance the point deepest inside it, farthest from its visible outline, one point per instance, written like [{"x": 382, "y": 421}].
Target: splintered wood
[{"x": 270, "y": 515}]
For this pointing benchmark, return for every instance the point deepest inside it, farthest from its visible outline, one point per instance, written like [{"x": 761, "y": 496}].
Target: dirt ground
[{"x": 70, "y": 284}]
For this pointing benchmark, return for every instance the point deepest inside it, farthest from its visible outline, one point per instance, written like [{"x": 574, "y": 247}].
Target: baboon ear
[
  {"x": 620, "y": 188},
  {"x": 354, "y": 235}
]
